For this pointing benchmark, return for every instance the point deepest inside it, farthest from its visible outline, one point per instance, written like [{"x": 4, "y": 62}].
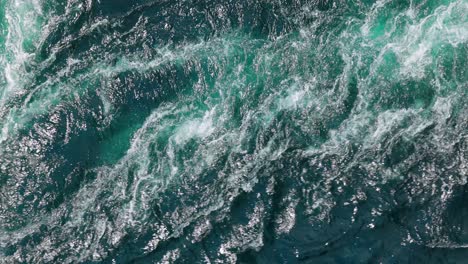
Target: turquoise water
[{"x": 280, "y": 131}]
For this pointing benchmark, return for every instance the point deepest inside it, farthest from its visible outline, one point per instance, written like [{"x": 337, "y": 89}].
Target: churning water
[{"x": 248, "y": 131}]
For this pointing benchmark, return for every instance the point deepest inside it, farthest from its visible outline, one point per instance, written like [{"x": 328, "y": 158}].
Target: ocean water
[{"x": 253, "y": 131}]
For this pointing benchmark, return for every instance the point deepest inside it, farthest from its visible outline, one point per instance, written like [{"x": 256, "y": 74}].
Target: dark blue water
[{"x": 286, "y": 131}]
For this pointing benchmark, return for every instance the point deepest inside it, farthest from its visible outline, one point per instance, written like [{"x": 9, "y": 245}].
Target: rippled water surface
[{"x": 253, "y": 131}]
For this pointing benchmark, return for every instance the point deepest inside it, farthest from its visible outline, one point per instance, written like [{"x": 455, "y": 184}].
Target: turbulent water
[{"x": 248, "y": 131}]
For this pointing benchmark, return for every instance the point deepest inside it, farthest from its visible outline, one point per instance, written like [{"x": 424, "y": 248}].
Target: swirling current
[{"x": 253, "y": 131}]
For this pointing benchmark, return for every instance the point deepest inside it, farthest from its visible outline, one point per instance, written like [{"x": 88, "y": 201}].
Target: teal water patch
[{"x": 233, "y": 132}]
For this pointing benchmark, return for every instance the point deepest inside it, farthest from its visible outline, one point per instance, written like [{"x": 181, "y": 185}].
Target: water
[{"x": 277, "y": 131}]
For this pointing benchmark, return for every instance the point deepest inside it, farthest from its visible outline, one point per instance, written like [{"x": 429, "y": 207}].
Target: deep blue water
[{"x": 282, "y": 131}]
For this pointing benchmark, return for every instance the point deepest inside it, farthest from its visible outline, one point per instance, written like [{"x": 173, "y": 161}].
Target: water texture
[{"x": 254, "y": 131}]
